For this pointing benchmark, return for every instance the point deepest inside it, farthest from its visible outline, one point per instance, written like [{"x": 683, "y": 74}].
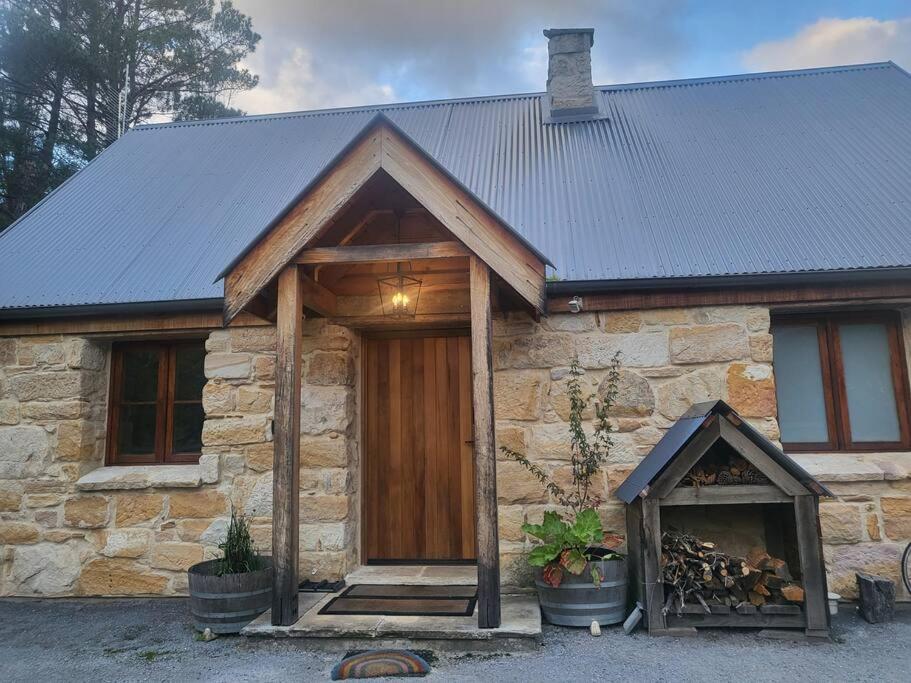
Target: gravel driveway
[{"x": 151, "y": 640}]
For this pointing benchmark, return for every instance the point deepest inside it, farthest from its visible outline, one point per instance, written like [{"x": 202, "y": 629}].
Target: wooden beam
[
  {"x": 781, "y": 295},
  {"x": 376, "y": 322},
  {"x": 318, "y": 298},
  {"x": 301, "y": 224},
  {"x": 381, "y": 253},
  {"x": 286, "y": 445},
  {"x": 726, "y": 495},
  {"x": 124, "y": 326},
  {"x": 812, "y": 567},
  {"x": 484, "y": 447}
]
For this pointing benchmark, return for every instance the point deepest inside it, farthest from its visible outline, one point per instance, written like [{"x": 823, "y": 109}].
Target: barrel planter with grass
[
  {"x": 227, "y": 603},
  {"x": 577, "y": 601}
]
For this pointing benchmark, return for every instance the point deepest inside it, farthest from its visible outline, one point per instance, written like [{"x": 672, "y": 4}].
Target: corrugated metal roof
[{"x": 765, "y": 173}]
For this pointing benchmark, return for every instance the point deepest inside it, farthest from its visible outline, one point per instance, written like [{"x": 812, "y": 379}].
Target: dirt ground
[{"x": 152, "y": 640}]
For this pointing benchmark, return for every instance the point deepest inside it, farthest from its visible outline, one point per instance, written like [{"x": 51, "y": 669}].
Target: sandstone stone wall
[{"x": 138, "y": 532}]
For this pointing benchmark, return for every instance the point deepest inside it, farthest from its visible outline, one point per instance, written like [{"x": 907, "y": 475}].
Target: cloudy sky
[{"x": 336, "y": 53}]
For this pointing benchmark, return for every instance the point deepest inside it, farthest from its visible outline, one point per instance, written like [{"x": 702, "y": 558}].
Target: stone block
[
  {"x": 511, "y": 437},
  {"x": 751, "y": 390},
  {"x": 190, "y": 530},
  {"x": 675, "y": 396},
  {"x": 119, "y": 576},
  {"x": 876, "y": 596},
  {"x": 550, "y": 441},
  {"x": 634, "y": 395},
  {"x": 264, "y": 368},
  {"x": 43, "y": 500},
  {"x": 558, "y": 396},
  {"x": 251, "y": 399},
  {"x": 86, "y": 512},
  {"x": 22, "y": 449},
  {"x": 228, "y": 365},
  {"x": 75, "y": 440},
  {"x": 843, "y": 561},
  {"x": 7, "y": 352},
  {"x": 260, "y": 456},
  {"x": 326, "y": 409},
  {"x": 541, "y": 350},
  {"x": 323, "y": 537},
  {"x": 9, "y": 412},
  {"x": 616, "y": 475},
  {"x": 640, "y": 349},
  {"x": 873, "y": 530},
  {"x": 515, "y": 485},
  {"x": 258, "y": 339},
  {"x": 259, "y": 500},
  {"x": 232, "y": 431},
  {"x": 17, "y": 533},
  {"x": 621, "y": 321},
  {"x": 571, "y": 322},
  {"x": 54, "y": 410},
  {"x": 218, "y": 340},
  {"x": 10, "y": 497},
  {"x": 666, "y": 317},
  {"x": 329, "y": 450},
  {"x": 840, "y": 523},
  {"x": 709, "y": 343},
  {"x": 176, "y": 556},
  {"x": 325, "y": 565},
  {"x": 209, "y": 468},
  {"x": 325, "y": 480},
  {"x": 126, "y": 542},
  {"x": 41, "y": 351},
  {"x": 761, "y": 347},
  {"x": 218, "y": 398},
  {"x": 46, "y": 568},
  {"x": 323, "y": 508},
  {"x": 328, "y": 368},
  {"x": 195, "y": 504},
  {"x": 84, "y": 354},
  {"x": 509, "y": 522},
  {"x": 519, "y": 394},
  {"x": 46, "y": 386},
  {"x": 896, "y": 517}
]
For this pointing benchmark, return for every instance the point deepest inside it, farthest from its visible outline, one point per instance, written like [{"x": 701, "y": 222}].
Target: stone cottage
[{"x": 329, "y": 321}]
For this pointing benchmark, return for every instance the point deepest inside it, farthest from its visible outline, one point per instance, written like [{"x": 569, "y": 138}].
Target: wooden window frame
[
  {"x": 164, "y": 405},
  {"x": 835, "y": 394}
]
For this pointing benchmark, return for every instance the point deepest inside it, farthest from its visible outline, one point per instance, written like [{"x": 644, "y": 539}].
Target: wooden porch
[{"x": 382, "y": 208}]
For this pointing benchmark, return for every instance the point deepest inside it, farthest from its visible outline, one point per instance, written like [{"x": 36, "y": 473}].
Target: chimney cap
[{"x": 554, "y": 32}]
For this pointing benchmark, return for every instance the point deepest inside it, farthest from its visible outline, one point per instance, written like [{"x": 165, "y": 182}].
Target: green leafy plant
[
  {"x": 239, "y": 553},
  {"x": 569, "y": 545}
]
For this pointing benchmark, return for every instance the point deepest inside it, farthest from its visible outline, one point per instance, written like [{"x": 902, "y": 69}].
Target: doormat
[
  {"x": 404, "y": 601},
  {"x": 380, "y": 663}
]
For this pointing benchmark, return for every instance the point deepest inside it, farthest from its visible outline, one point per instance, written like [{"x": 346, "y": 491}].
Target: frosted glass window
[
  {"x": 868, "y": 382},
  {"x": 799, "y": 385}
]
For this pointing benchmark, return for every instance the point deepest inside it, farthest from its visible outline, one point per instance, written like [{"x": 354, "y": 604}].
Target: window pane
[
  {"x": 136, "y": 430},
  {"x": 188, "y": 418},
  {"x": 189, "y": 379},
  {"x": 798, "y": 381},
  {"x": 868, "y": 380},
  {"x": 140, "y": 375}
]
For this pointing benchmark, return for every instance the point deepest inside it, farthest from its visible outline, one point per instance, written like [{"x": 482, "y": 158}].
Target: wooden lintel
[
  {"x": 368, "y": 322},
  {"x": 318, "y": 298},
  {"x": 286, "y": 447},
  {"x": 381, "y": 253},
  {"x": 484, "y": 447},
  {"x": 125, "y": 326}
]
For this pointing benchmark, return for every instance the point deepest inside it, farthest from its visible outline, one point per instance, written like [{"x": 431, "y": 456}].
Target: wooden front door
[{"x": 418, "y": 470}]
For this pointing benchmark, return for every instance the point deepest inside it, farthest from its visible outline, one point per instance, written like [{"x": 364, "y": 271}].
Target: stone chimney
[{"x": 569, "y": 72}]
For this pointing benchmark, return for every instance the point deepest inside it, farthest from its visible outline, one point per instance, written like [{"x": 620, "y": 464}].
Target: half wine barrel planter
[
  {"x": 577, "y": 602},
  {"x": 227, "y": 603}
]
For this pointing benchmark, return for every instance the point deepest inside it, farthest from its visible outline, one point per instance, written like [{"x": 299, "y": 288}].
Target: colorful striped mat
[{"x": 377, "y": 663}]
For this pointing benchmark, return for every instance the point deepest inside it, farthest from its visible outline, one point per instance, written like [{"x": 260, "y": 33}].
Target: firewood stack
[
  {"x": 694, "y": 572},
  {"x": 738, "y": 471}
]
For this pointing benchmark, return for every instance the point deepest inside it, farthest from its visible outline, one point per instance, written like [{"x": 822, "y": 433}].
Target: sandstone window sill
[
  {"x": 134, "y": 477},
  {"x": 839, "y": 467}
]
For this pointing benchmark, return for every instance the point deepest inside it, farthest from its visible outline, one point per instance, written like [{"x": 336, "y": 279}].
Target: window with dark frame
[
  {"x": 841, "y": 381},
  {"x": 155, "y": 409}
]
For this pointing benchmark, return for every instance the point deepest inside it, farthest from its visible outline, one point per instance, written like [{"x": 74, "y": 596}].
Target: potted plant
[
  {"x": 579, "y": 575},
  {"x": 229, "y": 592}
]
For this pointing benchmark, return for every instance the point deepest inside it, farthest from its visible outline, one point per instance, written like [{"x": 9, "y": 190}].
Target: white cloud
[
  {"x": 829, "y": 42},
  {"x": 317, "y": 54},
  {"x": 299, "y": 84}
]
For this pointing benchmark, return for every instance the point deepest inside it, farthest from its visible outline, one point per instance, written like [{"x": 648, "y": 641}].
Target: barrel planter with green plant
[
  {"x": 229, "y": 592},
  {"x": 580, "y": 576}
]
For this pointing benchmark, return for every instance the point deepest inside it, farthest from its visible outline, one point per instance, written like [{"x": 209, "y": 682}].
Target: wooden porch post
[
  {"x": 484, "y": 447},
  {"x": 286, "y": 453}
]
